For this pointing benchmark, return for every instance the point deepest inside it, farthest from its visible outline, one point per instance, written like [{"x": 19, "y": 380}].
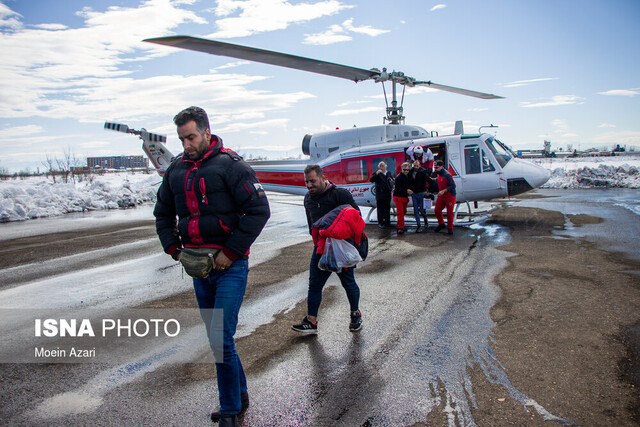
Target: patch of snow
[
  {"x": 592, "y": 172},
  {"x": 38, "y": 197}
]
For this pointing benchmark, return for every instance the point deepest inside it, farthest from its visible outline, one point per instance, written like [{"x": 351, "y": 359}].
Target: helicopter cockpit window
[
  {"x": 472, "y": 159},
  {"x": 499, "y": 150},
  {"x": 486, "y": 163},
  {"x": 390, "y": 161},
  {"x": 356, "y": 170}
]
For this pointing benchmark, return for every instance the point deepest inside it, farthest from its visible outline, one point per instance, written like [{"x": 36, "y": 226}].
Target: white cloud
[
  {"x": 335, "y": 34},
  {"x": 259, "y": 16},
  {"x": 51, "y": 27},
  {"x": 561, "y": 125},
  {"x": 72, "y": 63},
  {"x": 230, "y": 65},
  {"x": 367, "y": 29},
  {"x": 621, "y": 92},
  {"x": 629, "y": 138},
  {"x": 339, "y": 33},
  {"x": 353, "y": 111},
  {"x": 257, "y": 126},
  {"x": 606, "y": 125},
  {"x": 20, "y": 131},
  {"x": 528, "y": 82},
  {"x": 81, "y": 73},
  {"x": 555, "y": 101},
  {"x": 9, "y": 18},
  {"x": 437, "y": 7}
]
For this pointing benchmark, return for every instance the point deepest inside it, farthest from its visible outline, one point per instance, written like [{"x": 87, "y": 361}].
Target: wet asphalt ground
[{"x": 529, "y": 317}]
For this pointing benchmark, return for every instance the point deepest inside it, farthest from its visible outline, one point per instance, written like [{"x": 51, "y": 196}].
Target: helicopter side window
[
  {"x": 356, "y": 170},
  {"x": 486, "y": 163},
  {"x": 390, "y": 161},
  {"x": 499, "y": 150},
  {"x": 472, "y": 159}
]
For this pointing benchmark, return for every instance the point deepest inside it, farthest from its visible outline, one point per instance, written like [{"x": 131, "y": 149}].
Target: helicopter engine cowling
[{"x": 321, "y": 145}]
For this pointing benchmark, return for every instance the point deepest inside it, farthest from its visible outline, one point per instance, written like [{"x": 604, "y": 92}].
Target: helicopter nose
[
  {"x": 523, "y": 176},
  {"x": 537, "y": 175}
]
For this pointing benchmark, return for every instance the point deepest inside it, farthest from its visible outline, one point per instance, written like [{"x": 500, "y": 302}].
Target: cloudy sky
[{"x": 569, "y": 71}]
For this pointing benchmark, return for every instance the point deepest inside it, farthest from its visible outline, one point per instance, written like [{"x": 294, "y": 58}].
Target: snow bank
[
  {"x": 593, "y": 172},
  {"x": 38, "y": 197}
]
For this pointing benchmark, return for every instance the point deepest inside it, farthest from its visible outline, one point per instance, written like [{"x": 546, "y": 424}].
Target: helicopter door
[{"x": 481, "y": 179}]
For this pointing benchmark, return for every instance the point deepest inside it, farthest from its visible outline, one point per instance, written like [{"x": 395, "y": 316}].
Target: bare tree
[
  {"x": 50, "y": 164},
  {"x": 4, "y": 173}
]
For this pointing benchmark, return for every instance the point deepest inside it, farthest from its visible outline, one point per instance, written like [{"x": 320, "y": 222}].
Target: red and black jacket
[
  {"x": 217, "y": 199},
  {"x": 446, "y": 182}
]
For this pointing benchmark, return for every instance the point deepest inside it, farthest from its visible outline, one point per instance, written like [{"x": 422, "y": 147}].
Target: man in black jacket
[
  {"x": 323, "y": 196},
  {"x": 418, "y": 185},
  {"x": 383, "y": 179},
  {"x": 221, "y": 206}
]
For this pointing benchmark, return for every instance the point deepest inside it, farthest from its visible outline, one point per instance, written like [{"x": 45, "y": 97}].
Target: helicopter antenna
[
  {"x": 394, "y": 112},
  {"x": 487, "y": 126}
]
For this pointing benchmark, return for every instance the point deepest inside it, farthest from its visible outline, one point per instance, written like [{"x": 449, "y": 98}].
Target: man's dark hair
[
  {"x": 314, "y": 168},
  {"x": 195, "y": 114},
  {"x": 439, "y": 163}
]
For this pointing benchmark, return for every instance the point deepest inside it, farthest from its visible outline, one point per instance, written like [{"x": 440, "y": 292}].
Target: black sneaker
[
  {"x": 356, "y": 322},
  {"x": 228, "y": 421},
  {"x": 306, "y": 327},
  {"x": 244, "y": 404},
  {"x": 438, "y": 228},
  {"x": 449, "y": 230}
]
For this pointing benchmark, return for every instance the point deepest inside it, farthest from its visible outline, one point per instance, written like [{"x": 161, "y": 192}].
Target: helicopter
[{"x": 482, "y": 166}]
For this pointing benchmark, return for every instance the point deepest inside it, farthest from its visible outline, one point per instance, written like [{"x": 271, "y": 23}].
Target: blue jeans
[
  {"x": 224, "y": 291},
  {"x": 418, "y": 207},
  {"x": 318, "y": 278}
]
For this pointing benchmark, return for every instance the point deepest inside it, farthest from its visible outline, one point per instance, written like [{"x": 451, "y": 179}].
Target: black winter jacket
[
  {"x": 384, "y": 185},
  {"x": 419, "y": 180},
  {"x": 319, "y": 205},
  {"x": 402, "y": 185},
  {"x": 218, "y": 200}
]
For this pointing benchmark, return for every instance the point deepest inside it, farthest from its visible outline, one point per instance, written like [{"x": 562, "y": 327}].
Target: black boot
[
  {"x": 228, "y": 421},
  {"x": 439, "y": 227},
  {"x": 244, "y": 404}
]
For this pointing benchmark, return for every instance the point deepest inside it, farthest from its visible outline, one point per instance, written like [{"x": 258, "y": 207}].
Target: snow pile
[
  {"x": 39, "y": 197},
  {"x": 597, "y": 172}
]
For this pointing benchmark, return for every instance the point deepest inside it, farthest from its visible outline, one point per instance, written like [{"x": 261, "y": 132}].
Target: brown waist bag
[{"x": 198, "y": 262}]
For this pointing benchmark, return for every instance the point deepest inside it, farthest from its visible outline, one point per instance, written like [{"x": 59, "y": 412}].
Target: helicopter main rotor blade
[
  {"x": 458, "y": 90},
  {"x": 266, "y": 57}
]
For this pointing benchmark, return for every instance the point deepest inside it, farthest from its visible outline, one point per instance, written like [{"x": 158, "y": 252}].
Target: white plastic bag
[
  {"x": 427, "y": 203},
  {"x": 338, "y": 254}
]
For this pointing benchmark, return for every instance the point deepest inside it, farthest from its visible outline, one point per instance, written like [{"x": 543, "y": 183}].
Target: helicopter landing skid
[{"x": 460, "y": 219}]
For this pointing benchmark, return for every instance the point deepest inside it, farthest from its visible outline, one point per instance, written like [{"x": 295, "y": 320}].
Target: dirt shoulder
[{"x": 567, "y": 321}]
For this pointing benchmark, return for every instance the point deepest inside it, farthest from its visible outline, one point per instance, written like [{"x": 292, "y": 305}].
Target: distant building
[{"x": 118, "y": 162}]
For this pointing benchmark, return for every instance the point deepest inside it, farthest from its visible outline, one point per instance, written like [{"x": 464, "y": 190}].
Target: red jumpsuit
[{"x": 448, "y": 200}]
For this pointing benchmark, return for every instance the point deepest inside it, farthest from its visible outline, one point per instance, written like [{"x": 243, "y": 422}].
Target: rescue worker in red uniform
[{"x": 446, "y": 197}]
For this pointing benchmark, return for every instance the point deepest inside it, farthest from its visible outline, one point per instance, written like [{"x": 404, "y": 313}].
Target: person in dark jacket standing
[
  {"x": 322, "y": 197},
  {"x": 221, "y": 206},
  {"x": 418, "y": 185},
  {"x": 383, "y": 179},
  {"x": 401, "y": 195},
  {"x": 446, "y": 197}
]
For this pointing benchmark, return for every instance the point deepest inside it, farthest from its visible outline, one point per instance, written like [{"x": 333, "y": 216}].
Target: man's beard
[{"x": 195, "y": 156}]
